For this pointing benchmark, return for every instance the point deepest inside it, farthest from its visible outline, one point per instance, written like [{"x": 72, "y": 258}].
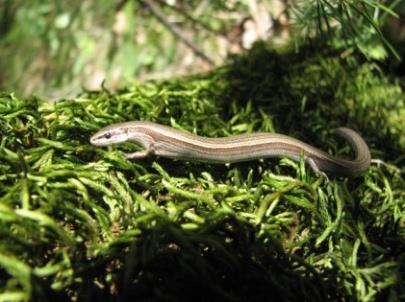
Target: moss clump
[{"x": 82, "y": 223}]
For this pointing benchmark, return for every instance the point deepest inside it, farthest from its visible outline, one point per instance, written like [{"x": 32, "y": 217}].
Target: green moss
[{"x": 83, "y": 223}]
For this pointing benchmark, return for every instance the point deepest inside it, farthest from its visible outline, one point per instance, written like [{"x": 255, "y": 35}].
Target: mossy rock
[{"x": 79, "y": 222}]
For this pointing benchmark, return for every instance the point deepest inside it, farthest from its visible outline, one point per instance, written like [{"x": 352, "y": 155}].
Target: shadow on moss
[{"x": 224, "y": 261}]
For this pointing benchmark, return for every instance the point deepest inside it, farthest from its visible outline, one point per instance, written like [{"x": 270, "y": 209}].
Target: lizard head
[{"x": 109, "y": 135}]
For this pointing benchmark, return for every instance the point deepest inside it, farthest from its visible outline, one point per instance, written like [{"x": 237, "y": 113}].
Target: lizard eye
[{"x": 107, "y": 135}]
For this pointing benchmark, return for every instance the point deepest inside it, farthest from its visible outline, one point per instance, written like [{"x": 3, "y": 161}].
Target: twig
[
  {"x": 203, "y": 25},
  {"x": 120, "y": 5},
  {"x": 176, "y": 31}
]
